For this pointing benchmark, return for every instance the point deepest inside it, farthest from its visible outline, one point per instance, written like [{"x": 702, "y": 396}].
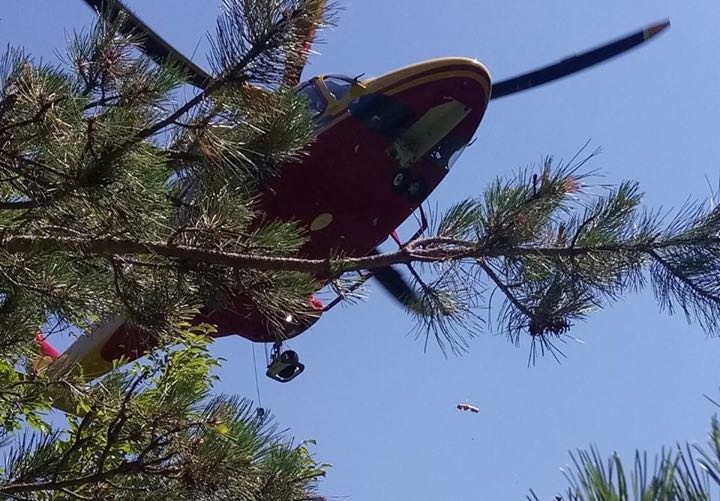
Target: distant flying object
[
  {"x": 468, "y": 407},
  {"x": 383, "y": 145}
]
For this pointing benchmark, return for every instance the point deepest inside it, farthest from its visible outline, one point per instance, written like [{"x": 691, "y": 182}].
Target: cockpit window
[
  {"x": 338, "y": 86},
  {"x": 315, "y": 99},
  {"x": 448, "y": 151}
]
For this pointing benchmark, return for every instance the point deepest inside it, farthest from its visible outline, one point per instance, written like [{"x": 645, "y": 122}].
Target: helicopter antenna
[{"x": 575, "y": 63}]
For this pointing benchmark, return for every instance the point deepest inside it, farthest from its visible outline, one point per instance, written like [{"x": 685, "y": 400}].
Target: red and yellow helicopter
[{"x": 383, "y": 145}]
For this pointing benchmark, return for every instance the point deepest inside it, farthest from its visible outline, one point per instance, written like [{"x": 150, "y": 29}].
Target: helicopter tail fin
[
  {"x": 45, "y": 365},
  {"x": 85, "y": 355},
  {"x": 46, "y": 349},
  {"x": 48, "y": 354},
  {"x": 84, "y": 358}
]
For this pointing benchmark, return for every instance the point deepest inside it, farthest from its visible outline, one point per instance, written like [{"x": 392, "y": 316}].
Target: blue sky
[{"x": 382, "y": 410}]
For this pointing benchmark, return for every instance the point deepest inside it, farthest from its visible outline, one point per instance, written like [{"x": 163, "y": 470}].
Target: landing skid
[{"x": 367, "y": 275}]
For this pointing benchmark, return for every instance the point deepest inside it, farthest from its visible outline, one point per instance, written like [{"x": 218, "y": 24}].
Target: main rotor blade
[
  {"x": 575, "y": 63},
  {"x": 396, "y": 285},
  {"x": 151, "y": 44},
  {"x": 294, "y": 72}
]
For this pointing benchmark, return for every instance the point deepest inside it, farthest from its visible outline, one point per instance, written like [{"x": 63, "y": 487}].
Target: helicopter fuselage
[
  {"x": 383, "y": 145},
  {"x": 382, "y": 148}
]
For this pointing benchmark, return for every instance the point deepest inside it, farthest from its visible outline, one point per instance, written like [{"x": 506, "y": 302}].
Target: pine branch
[
  {"x": 505, "y": 290},
  {"x": 700, "y": 292},
  {"x": 125, "y": 468},
  {"x": 427, "y": 250},
  {"x": 231, "y": 75},
  {"x": 47, "y": 106}
]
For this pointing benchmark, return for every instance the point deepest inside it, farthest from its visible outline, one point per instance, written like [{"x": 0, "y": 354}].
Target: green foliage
[
  {"x": 20, "y": 401},
  {"x": 154, "y": 431},
  {"x": 553, "y": 250},
  {"x": 104, "y": 147},
  {"x": 685, "y": 472},
  {"x": 278, "y": 26}
]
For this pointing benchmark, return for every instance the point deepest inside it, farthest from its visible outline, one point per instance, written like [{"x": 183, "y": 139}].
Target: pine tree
[
  {"x": 679, "y": 473},
  {"x": 120, "y": 194},
  {"x": 101, "y": 149}
]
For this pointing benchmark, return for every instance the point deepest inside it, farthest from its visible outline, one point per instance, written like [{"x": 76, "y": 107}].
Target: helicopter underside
[
  {"x": 413, "y": 122},
  {"x": 370, "y": 168}
]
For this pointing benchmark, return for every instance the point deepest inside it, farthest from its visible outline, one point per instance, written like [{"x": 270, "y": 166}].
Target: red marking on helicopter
[{"x": 46, "y": 348}]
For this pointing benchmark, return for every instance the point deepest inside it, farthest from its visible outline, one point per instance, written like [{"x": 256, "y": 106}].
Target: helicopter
[{"x": 383, "y": 144}]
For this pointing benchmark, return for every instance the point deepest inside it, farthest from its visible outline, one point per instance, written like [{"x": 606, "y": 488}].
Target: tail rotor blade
[
  {"x": 576, "y": 63},
  {"x": 152, "y": 44}
]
